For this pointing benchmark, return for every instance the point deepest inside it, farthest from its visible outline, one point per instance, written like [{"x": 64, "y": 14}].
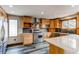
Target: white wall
[{"x": 16, "y": 39}]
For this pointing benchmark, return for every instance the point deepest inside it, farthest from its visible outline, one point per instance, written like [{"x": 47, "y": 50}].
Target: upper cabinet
[
  {"x": 77, "y": 23},
  {"x": 52, "y": 23},
  {"x": 27, "y": 19},
  {"x": 45, "y": 23},
  {"x": 77, "y": 20},
  {"x": 57, "y": 23},
  {"x": 26, "y": 22}
]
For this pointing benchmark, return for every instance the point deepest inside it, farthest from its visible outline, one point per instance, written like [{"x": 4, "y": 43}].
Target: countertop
[
  {"x": 60, "y": 33},
  {"x": 68, "y": 43}
]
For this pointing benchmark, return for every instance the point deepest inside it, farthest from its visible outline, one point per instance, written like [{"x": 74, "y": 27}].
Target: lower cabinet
[
  {"x": 27, "y": 39},
  {"x": 55, "y": 50}
]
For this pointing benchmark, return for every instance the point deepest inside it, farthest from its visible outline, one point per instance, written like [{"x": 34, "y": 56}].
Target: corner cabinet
[
  {"x": 54, "y": 24},
  {"x": 57, "y": 23}
]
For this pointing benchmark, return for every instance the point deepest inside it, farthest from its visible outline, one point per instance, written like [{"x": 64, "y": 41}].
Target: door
[{"x": 0, "y": 35}]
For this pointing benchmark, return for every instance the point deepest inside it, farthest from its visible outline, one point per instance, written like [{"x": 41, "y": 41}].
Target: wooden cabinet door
[
  {"x": 77, "y": 31},
  {"x": 28, "y": 39},
  {"x": 51, "y": 29},
  {"x": 55, "y": 50},
  {"x": 57, "y": 23},
  {"x": 27, "y": 19},
  {"x": 78, "y": 23},
  {"x": 52, "y": 24},
  {"x": 45, "y": 22},
  {"x": 21, "y": 22}
]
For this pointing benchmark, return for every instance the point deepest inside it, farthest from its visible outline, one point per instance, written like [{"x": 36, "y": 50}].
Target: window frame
[
  {"x": 68, "y": 20},
  {"x": 9, "y": 27}
]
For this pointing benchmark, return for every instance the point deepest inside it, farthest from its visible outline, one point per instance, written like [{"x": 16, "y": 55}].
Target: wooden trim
[
  {"x": 69, "y": 19},
  {"x": 69, "y": 15}
]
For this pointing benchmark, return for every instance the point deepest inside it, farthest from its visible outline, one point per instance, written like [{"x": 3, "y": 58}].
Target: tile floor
[{"x": 40, "y": 48}]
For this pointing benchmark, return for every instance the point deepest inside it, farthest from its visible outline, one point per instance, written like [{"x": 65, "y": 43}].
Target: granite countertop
[
  {"x": 60, "y": 33},
  {"x": 69, "y": 42}
]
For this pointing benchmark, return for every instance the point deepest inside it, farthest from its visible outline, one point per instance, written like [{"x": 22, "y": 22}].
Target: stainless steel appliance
[
  {"x": 38, "y": 36},
  {"x": 3, "y": 35}
]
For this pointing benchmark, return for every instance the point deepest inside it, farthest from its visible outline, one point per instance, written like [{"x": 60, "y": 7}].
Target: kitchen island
[{"x": 68, "y": 44}]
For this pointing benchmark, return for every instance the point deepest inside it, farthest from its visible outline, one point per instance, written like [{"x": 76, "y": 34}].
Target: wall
[{"x": 16, "y": 39}]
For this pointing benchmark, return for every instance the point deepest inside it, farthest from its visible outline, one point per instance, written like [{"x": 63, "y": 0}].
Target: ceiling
[{"x": 41, "y": 11}]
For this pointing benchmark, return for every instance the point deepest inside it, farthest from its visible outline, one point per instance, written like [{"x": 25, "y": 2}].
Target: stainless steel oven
[{"x": 38, "y": 36}]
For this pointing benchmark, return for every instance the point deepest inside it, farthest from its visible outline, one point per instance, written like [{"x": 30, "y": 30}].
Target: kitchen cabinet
[
  {"x": 26, "y": 21},
  {"x": 57, "y": 23},
  {"x": 77, "y": 29},
  {"x": 45, "y": 23},
  {"x": 52, "y": 25},
  {"x": 68, "y": 44},
  {"x": 55, "y": 50},
  {"x": 27, "y": 25},
  {"x": 51, "y": 29},
  {"x": 27, "y": 38}
]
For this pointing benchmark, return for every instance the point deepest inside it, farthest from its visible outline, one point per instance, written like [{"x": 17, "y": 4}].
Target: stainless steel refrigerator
[{"x": 3, "y": 35}]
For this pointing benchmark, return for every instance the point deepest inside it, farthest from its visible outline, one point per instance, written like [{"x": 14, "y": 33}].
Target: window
[
  {"x": 72, "y": 23},
  {"x": 69, "y": 24},
  {"x": 12, "y": 27}
]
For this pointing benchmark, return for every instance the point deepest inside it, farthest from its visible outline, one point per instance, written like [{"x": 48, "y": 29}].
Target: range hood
[{"x": 36, "y": 20}]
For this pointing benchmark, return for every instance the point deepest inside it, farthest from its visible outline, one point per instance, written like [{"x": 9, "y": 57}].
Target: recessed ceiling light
[
  {"x": 10, "y": 5},
  {"x": 42, "y": 13},
  {"x": 12, "y": 12}
]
